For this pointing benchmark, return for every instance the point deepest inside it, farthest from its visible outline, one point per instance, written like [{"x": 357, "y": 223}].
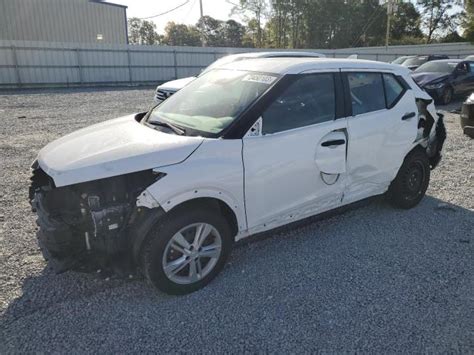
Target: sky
[{"x": 188, "y": 14}]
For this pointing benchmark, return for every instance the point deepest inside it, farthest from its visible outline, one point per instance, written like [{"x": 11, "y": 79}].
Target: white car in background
[
  {"x": 244, "y": 148},
  {"x": 167, "y": 89}
]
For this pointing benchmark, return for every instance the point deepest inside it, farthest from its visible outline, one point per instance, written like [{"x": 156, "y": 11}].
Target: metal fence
[{"x": 25, "y": 64}]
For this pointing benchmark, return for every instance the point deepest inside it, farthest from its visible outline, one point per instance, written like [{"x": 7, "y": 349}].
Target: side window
[
  {"x": 367, "y": 92},
  {"x": 393, "y": 89},
  {"x": 462, "y": 68},
  {"x": 308, "y": 100}
]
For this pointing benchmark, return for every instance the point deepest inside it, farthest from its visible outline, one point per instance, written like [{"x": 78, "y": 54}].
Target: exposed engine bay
[{"x": 91, "y": 219}]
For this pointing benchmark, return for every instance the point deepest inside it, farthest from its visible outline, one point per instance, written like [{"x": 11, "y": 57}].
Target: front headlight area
[
  {"x": 86, "y": 221},
  {"x": 436, "y": 86}
]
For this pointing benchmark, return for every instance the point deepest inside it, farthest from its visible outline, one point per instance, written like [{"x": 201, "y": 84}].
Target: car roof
[
  {"x": 447, "y": 61},
  {"x": 298, "y": 65},
  {"x": 278, "y": 54}
]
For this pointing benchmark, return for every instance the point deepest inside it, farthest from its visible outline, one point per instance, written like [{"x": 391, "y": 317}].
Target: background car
[
  {"x": 167, "y": 89},
  {"x": 469, "y": 57},
  {"x": 443, "y": 79},
  {"x": 402, "y": 59},
  {"x": 415, "y": 62}
]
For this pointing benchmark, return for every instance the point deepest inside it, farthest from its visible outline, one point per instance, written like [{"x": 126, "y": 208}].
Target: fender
[
  {"x": 215, "y": 170},
  {"x": 150, "y": 198}
]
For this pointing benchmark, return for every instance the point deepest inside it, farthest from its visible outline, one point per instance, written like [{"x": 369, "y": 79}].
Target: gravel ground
[{"x": 372, "y": 279}]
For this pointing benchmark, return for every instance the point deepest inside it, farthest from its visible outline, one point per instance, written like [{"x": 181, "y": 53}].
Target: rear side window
[
  {"x": 393, "y": 89},
  {"x": 308, "y": 100},
  {"x": 367, "y": 92}
]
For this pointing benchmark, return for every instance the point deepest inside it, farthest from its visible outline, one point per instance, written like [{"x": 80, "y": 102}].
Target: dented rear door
[{"x": 381, "y": 131}]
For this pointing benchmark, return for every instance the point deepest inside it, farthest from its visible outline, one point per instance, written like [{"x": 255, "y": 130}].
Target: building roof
[
  {"x": 108, "y": 3},
  {"x": 299, "y": 65}
]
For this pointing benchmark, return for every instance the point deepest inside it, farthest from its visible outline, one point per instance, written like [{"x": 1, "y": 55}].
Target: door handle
[
  {"x": 407, "y": 116},
  {"x": 333, "y": 142}
]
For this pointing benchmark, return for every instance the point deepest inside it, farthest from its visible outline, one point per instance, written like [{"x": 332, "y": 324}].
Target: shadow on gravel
[{"x": 370, "y": 279}]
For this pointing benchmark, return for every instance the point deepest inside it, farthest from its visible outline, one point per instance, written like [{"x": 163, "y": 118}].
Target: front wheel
[
  {"x": 186, "y": 251},
  {"x": 447, "y": 96},
  {"x": 411, "y": 182}
]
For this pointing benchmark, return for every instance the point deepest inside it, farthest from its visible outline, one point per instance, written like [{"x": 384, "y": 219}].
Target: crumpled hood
[
  {"x": 112, "y": 148},
  {"x": 426, "y": 78},
  {"x": 176, "y": 85}
]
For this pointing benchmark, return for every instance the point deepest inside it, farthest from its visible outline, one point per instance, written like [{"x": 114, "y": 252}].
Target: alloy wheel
[{"x": 192, "y": 253}]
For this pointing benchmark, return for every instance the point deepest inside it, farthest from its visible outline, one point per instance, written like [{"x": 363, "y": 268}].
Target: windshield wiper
[{"x": 175, "y": 129}]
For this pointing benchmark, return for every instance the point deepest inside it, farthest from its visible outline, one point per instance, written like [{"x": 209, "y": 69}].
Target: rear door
[
  {"x": 381, "y": 131},
  {"x": 296, "y": 166}
]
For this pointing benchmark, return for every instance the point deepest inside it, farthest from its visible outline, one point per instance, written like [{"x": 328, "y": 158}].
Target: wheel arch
[
  {"x": 211, "y": 203},
  {"x": 152, "y": 216}
]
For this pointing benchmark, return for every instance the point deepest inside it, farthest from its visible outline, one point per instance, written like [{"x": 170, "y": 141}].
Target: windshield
[
  {"x": 415, "y": 61},
  {"x": 437, "y": 67},
  {"x": 213, "y": 101}
]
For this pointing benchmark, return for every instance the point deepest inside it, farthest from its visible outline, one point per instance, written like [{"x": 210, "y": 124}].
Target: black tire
[
  {"x": 447, "y": 96},
  {"x": 411, "y": 182},
  {"x": 157, "y": 240}
]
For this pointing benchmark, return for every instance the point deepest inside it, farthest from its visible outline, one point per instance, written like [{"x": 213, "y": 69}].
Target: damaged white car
[{"x": 243, "y": 149}]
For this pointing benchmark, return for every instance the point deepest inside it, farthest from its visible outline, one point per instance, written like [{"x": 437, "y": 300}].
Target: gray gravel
[{"x": 373, "y": 279}]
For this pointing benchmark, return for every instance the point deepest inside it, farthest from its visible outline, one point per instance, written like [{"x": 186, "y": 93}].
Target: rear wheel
[
  {"x": 411, "y": 182},
  {"x": 186, "y": 251}
]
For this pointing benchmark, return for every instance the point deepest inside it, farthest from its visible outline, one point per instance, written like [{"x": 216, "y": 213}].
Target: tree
[
  {"x": 134, "y": 25},
  {"x": 406, "y": 22},
  {"x": 181, "y": 35},
  {"x": 452, "y": 37},
  {"x": 468, "y": 21},
  {"x": 142, "y": 32},
  {"x": 232, "y": 33},
  {"x": 437, "y": 16},
  {"x": 252, "y": 33},
  {"x": 210, "y": 29},
  {"x": 257, "y": 10}
]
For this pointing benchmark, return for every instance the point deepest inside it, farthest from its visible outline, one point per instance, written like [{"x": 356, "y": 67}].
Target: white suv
[
  {"x": 167, "y": 89},
  {"x": 243, "y": 149}
]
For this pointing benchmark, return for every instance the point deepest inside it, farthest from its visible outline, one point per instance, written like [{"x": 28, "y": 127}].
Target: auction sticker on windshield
[{"x": 259, "y": 78}]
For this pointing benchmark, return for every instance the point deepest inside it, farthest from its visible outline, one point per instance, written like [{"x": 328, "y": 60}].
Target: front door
[
  {"x": 296, "y": 167},
  {"x": 381, "y": 131},
  {"x": 464, "y": 78}
]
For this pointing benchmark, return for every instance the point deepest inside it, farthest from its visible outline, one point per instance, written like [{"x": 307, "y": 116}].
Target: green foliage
[
  {"x": 468, "y": 21},
  {"x": 406, "y": 23},
  {"x": 452, "y": 37},
  {"x": 438, "y": 17},
  {"x": 318, "y": 24},
  {"x": 181, "y": 35},
  {"x": 142, "y": 32}
]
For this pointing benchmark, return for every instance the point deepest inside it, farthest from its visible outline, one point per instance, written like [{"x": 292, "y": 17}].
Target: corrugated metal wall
[
  {"x": 62, "y": 21},
  {"x": 46, "y": 64}
]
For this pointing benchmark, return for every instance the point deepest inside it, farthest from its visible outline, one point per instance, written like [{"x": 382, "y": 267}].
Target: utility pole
[
  {"x": 202, "y": 29},
  {"x": 389, "y": 15}
]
